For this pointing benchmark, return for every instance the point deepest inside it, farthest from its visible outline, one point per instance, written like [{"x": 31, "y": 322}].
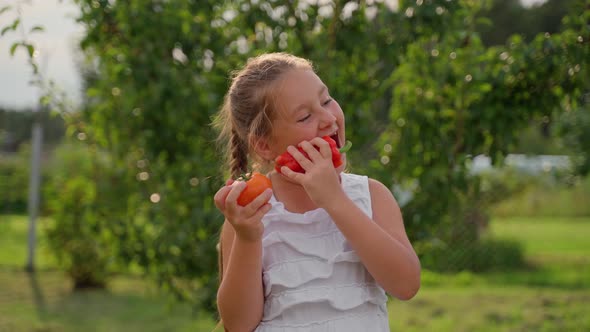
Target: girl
[{"x": 319, "y": 250}]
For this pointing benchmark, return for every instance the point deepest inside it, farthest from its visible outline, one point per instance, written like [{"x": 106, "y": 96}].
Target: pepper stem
[
  {"x": 346, "y": 147},
  {"x": 245, "y": 176}
]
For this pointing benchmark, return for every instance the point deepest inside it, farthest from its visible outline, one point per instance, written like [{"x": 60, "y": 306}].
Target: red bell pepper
[{"x": 286, "y": 159}]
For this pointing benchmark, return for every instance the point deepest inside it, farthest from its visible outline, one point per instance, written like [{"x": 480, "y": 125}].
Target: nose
[{"x": 327, "y": 119}]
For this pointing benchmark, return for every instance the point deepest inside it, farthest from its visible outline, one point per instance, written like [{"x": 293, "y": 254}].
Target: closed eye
[
  {"x": 304, "y": 118},
  {"x": 327, "y": 102}
]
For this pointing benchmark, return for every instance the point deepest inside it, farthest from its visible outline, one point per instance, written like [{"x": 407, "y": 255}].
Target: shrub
[
  {"x": 14, "y": 181},
  {"x": 78, "y": 236},
  {"x": 541, "y": 198},
  {"x": 478, "y": 256}
]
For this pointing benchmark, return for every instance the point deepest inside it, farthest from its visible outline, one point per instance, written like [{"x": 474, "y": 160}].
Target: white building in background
[{"x": 529, "y": 164}]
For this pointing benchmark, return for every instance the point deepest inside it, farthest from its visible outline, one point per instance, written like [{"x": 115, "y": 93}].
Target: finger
[
  {"x": 262, "y": 211},
  {"x": 295, "y": 176},
  {"x": 302, "y": 159},
  {"x": 232, "y": 197},
  {"x": 324, "y": 147},
  {"x": 229, "y": 182},
  {"x": 311, "y": 150},
  {"x": 221, "y": 196},
  {"x": 258, "y": 202}
]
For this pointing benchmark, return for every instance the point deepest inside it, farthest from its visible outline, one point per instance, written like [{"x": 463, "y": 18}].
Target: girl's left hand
[{"x": 321, "y": 181}]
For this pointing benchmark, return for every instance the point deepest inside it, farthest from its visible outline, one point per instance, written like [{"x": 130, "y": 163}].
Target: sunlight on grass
[
  {"x": 13, "y": 234},
  {"x": 550, "y": 293},
  {"x": 46, "y": 302},
  {"x": 491, "y": 309},
  {"x": 547, "y": 236},
  {"x": 547, "y": 200}
]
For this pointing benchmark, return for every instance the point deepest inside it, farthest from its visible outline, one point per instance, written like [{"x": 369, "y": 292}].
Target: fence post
[{"x": 34, "y": 187}]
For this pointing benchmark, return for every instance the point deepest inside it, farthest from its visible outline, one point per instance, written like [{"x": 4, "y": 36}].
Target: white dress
[{"x": 313, "y": 280}]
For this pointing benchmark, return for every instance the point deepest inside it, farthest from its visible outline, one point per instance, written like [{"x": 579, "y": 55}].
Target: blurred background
[{"x": 475, "y": 114}]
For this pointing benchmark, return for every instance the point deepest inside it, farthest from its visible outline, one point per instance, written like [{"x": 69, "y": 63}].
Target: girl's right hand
[{"x": 246, "y": 220}]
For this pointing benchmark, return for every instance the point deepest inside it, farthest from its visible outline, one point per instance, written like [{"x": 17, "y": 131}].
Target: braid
[{"x": 239, "y": 155}]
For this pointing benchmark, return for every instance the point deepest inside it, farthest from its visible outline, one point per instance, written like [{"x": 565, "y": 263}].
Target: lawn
[
  {"x": 45, "y": 302},
  {"x": 550, "y": 294},
  {"x": 561, "y": 237}
]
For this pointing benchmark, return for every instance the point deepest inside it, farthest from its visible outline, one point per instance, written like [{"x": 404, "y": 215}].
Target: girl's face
[{"x": 304, "y": 110}]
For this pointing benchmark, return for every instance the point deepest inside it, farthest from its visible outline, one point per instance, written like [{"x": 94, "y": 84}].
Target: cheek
[
  {"x": 339, "y": 117},
  {"x": 337, "y": 111}
]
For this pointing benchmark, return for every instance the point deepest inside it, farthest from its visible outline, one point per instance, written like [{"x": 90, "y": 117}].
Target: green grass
[
  {"x": 490, "y": 309},
  {"x": 45, "y": 301},
  {"x": 563, "y": 237},
  {"x": 13, "y": 236},
  {"x": 550, "y": 293},
  {"x": 48, "y": 304}
]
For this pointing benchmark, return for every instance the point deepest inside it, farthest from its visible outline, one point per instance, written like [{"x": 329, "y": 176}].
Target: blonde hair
[{"x": 249, "y": 107}]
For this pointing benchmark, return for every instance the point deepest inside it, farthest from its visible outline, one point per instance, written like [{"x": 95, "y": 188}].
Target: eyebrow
[{"x": 300, "y": 106}]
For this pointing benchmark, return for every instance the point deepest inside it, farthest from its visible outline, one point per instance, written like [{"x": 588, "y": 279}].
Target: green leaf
[
  {"x": 15, "y": 24},
  {"x": 6, "y": 29},
  {"x": 30, "y": 48},
  {"x": 37, "y": 28},
  {"x": 45, "y": 100},
  {"x": 5, "y": 9},
  {"x": 13, "y": 48}
]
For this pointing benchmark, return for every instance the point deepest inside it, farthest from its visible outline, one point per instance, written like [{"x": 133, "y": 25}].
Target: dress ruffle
[
  {"x": 370, "y": 320},
  {"x": 341, "y": 298},
  {"x": 298, "y": 272},
  {"x": 313, "y": 281}
]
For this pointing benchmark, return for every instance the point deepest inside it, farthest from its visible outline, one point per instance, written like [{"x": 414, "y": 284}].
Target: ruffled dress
[{"x": 313, "y": 280}]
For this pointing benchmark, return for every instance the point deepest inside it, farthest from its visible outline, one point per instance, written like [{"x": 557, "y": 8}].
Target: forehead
[{"x": 297, "y": 87}]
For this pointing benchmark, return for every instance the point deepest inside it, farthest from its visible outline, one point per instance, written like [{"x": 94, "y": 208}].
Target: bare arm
[
  {"x": 382, "y": 245},
  {"x": 240, "y": 296}
]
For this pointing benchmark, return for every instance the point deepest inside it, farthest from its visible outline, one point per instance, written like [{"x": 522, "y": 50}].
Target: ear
[{"x": 262, "y": 148}]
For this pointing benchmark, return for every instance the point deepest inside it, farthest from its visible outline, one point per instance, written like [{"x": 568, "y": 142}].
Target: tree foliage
[
  {"x": 510, "y": 17},
  {"x": 155, "y": 86},
  {"x": 454, "y": 98},
  {"x": 422, "y": 95}
]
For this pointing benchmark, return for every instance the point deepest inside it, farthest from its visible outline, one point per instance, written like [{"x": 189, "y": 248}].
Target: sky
[{"x": 56, "y": 45}]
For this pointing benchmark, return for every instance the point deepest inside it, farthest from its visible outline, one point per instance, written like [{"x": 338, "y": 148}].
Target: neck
[{"x": 291, "y": 194}]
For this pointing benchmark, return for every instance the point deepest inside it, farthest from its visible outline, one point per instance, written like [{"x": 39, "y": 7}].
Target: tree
[
  {"x": 156, "y": 85},
  {"x": 421, "y": 92},
  {"x": 454, "y": 98},
  {"x": 435, "y": 96},
  {"x": 509, "y": 17}
]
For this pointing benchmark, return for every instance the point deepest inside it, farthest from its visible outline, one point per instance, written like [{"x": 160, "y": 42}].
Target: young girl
[{"x": 319, "y": 250}]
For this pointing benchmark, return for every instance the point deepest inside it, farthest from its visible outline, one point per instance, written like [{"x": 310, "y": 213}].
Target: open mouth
[{"x": 336, "y": 139}]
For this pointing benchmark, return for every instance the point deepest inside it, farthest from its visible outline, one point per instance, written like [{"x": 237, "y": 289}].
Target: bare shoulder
[
  {"x": 386, "y": 211},
  {"x": 380, "y": 194}
]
